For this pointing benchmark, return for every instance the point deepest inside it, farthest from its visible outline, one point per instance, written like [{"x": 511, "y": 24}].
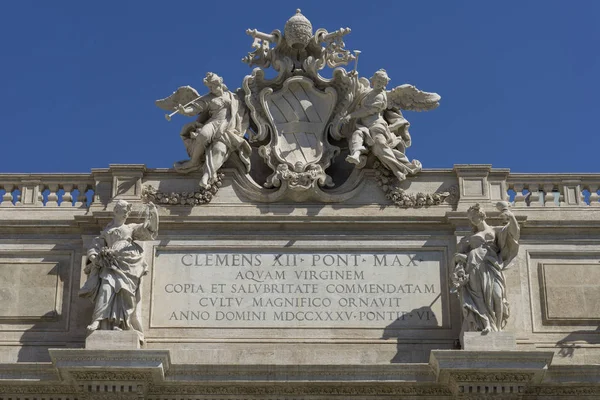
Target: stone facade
[
  {"x": 299, "y": 254},
  {"x": 47, "y": 227}
]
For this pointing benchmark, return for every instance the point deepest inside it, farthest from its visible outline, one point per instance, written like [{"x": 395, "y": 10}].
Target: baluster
[
  {"x": 43, "y": 188},
  {"x": 549, "y": 195},
  {"x": 67, "y": 198},
  {"x": 40, "y": 195},
  {"x": 93, "y": 197},
  {"x": 560, "y": 193},
  {"x": 7, "y": 199},
  {"x": 534, "y": 196},
  {"x": 594, "y": 196},
  {"x": 53, "y": 195},
  {"x": 519, "y": 196},
  {"x": 17, "y": 194},
  {"x": 582, "y": 201},
  {"x": 82, "y": 198}
]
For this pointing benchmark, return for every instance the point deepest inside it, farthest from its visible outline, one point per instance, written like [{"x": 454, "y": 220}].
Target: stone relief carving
[
  {"x": 201, "y": 196},
  {"x": 294, "y": 117},
  {"x": 115, "y": 267},
  {"x": 218, "y": 130},
  {"x": 401, "y": 198},
  {"x": 478, "y": 276}
]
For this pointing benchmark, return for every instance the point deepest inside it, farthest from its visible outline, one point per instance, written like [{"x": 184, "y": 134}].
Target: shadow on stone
[
  {"x": 573, "y": 341},
  {"x": 408, "y": 350}
]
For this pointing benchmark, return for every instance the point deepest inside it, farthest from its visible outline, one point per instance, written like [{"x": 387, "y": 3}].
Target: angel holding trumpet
[
  {"x": 219, "y": 129},
  {"x": 376, "y": 123}
]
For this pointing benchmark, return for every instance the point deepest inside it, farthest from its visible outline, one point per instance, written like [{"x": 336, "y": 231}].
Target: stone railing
[
  {"x": 553, "y": 190},
  {"x": 477, "y": 184},
  {"x": 46, "y": 190}
]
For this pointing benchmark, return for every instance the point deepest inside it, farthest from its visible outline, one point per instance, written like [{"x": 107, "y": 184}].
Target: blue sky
[{"x": 519, "y": 80}]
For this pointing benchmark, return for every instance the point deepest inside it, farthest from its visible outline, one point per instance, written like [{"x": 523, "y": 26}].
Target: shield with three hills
[{"x": 299, "y": 114}]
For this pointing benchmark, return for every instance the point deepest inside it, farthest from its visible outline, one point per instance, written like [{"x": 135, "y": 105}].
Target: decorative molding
[
  {"x": 308, "y": 389},
  {"x": 37, "y": 389},
  {"x": 555, "y": 390},
  {"x": 111, "y": 376},
  {"x": 503, "y": 377}
]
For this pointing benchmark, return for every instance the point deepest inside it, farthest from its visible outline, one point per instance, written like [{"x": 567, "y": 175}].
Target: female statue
[
  {"x": 478, "y": 275},
  {"x": 116, "y": 266},
  {"x": 218, "y": 130}
]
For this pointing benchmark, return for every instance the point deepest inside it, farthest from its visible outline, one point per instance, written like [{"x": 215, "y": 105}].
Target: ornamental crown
[{"x": 298, "y": 31}]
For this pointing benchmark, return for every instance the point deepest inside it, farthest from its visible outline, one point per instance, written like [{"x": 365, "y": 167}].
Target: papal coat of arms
[{"x": 301, "y": 124}]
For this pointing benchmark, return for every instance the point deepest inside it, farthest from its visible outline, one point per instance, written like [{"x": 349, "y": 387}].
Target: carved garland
[
  {"x": 401, "y": 198},
  {"x": 202, "y": 196}
]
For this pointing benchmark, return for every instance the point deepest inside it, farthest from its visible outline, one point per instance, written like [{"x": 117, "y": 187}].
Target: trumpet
[
  {"x": 169, "y": 116},
  {"x": 356, "y": 54}
]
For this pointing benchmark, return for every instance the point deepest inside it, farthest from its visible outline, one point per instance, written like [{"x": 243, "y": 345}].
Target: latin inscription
[{"x": 202, "y": 289}]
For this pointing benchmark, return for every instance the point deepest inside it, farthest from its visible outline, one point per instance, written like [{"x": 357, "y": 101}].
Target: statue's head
[
  {"x": 476, "y": 214},
  {"x": 122, "y": 209},
  {"x": 380, "y": 79},
  {"x": 214, "y": 83}
]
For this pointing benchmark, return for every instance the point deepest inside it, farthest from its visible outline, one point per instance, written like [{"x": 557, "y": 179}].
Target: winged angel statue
[
  {"x": 376, "y": 122},
  {"x": 297, "y": 112},
  {"x": 219, "y": 129}
]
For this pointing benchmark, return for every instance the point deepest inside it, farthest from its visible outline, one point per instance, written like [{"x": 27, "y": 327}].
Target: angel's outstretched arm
[{"x": 193, "y": 108}]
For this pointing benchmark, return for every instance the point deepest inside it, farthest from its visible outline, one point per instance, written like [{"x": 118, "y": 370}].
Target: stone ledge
[
  {"x": 506, "y": 373},
  {"x": 112, "y": 340},
  {"x": 493, "y": 341},
  {"x": 72, "y": 362}
]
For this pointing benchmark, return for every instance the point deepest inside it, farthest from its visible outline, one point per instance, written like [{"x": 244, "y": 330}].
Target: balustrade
[
  {"x": 554, "y": 190},
  {"x": 79, "y": 190},
  {"x": 46, "y": 190}
]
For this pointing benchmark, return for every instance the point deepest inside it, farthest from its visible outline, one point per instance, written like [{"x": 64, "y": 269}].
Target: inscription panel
[{"x": 210, "y": 289}]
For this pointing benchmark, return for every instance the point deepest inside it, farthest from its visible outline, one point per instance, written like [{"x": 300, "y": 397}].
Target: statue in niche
[
  {"x": 219, "y": 129},
  {"x": 376, "y": 122},
  {"x": 115, "y": 267},
  {"x": 478, "y": 276}
]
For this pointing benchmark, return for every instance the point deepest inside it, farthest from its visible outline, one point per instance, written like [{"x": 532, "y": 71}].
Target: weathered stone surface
[
  {"x": 571, "y": 291},
  {"x": 30, "y": 290},
  {"x": 492, "y": 341},
  {"x": 112, "y": 340}
]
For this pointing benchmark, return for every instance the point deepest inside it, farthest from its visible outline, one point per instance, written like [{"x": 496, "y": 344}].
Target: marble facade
[
  {"x": 300, "y": 255},
  {"x": 550, "y": 286}
]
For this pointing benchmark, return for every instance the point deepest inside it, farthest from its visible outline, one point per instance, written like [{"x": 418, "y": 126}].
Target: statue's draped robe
[
  {"x": 485, "y": 263},
  {"x": 229, "y": 128},
  {"x": 114, "y": 288},
  {"x": 392, "y": 151}
]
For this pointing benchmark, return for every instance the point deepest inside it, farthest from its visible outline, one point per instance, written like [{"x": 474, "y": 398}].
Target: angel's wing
[
  {"x": 182, "y": 96},
  {"x": 407, "y": 97}
]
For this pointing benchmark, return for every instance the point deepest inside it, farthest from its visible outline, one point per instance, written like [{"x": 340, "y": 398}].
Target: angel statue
[
  {"x": 376, "y": 121},
  {"x": 115, "y": 267},
  {"x": 478, "y": 276},
  {"x": 218, "y": 130}
]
